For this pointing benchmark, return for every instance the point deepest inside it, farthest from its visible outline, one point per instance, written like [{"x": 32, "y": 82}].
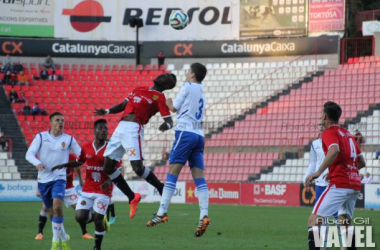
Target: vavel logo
[{"x": 269, "y": 189}]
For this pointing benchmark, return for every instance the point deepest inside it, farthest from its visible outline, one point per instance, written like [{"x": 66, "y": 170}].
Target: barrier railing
[{"x": 366, "y": 16}]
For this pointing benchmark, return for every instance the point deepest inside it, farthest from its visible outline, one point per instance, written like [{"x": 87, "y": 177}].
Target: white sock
[
  {"x": 57, "y": 230},
  {"x": 203, "y": 203},
  {"x": 167, "y": 194},
  {"x": 63, "y": 234}
]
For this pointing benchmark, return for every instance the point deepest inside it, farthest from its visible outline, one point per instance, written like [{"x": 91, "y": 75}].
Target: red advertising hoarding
[
  {"x": 221, "y": 193},
  {"x": 270, "y": 194},
  {"x": 326, "y": 15}
]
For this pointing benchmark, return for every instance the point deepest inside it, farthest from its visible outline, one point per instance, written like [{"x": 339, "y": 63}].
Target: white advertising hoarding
[
  {"x": 149, "y": 193},
  {"x": 109, "y": 20},
  {"x": 26, "y": 191},
  {"x": 18, "y": 191},
  {"x": 27, "y": 18}
]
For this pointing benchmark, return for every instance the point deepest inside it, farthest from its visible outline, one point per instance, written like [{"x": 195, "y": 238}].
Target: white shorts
[
  {"x": 71, "y": 197},
  {"x": 98, "y": 202},
  {"x": 336, "y": 199},
  {"x": 126, "y": 138}
]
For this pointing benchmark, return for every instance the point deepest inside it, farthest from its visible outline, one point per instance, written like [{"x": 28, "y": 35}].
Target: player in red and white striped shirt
[{"x": 344, "y": 159}]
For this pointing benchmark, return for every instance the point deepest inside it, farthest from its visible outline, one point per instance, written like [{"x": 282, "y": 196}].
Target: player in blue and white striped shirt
[
  {"x": 188, "y": 145},
  {"x": 53, "y": 148}
]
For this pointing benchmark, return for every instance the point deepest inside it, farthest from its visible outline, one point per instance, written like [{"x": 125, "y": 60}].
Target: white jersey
[
  {"x": 316, "y": 158},
  {"x": 52, "y": 151},
  {"x": 190, "y": 104}
]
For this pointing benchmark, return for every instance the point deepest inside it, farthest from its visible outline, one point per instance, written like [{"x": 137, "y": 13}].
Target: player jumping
[
  {"x": 343, "y": 158},
  {"x": 188, "y": 146},
  {"x": 53, "y": 148},
  {"x": 138, "y": 108},
  {"x": 95, "y": 193}
]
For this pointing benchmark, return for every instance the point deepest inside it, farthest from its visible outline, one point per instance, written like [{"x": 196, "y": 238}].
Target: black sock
[
  {"x": 312, "y": 242},
  {"x": 41, "y": 224},
  {"x": 83, "y": 227},
  {"x": 98, "y": 241},
  {"x": 124, "y": 187},
  {"x": 108, "y": 212},
  {"x": 152, "y": 180},
  {"x": 111, "y": 209}
]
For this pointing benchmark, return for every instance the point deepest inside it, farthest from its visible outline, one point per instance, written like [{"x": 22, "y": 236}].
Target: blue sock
[
  {"x": 167, "y": 194},
  {"x": 202, "y": 192}
]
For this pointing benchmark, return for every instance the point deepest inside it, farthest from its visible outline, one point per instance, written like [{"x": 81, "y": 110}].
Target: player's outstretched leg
[
  {"x": 116, "y": 177},
  {"x": 148, "y": 175},
  {"x": 167, "y": 194},
  {"x": 203, "y": 197}
]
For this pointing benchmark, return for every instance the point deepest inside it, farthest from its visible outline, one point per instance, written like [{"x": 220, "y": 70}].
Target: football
[{"x": 178, "y": 19}]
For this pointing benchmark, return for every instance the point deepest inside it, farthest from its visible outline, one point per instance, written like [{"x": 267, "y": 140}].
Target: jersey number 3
[{"x": 198, "y": 115}]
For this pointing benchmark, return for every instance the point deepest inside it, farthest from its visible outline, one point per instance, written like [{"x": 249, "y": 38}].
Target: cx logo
[
  {"x": 11, "y": 47},
  {"x": 101, "y": 205},
  {"x": 131, "y": 152},
  {"x": 182, "y": 49}
]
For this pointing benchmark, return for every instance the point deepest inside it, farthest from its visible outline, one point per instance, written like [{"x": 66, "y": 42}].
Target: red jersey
[
  {"x": 145, "y": 103},
  {"x": 343, "y": 172},
  {"x": 95, "y": 175},
  {"x": 70, "y": 173}
]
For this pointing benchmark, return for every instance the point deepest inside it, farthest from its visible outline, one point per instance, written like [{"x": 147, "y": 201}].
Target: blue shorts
[
  {"x": 188, "y": 146},
  {"x": 52, "y": 190}
]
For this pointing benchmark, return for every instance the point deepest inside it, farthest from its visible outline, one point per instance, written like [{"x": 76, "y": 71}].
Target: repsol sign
[{"x": 153, "y": 16}]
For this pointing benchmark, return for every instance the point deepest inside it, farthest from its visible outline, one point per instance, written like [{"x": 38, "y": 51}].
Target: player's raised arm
[
  {"x": 114, "y": 110},
  {"x": 32, "y": 152},
  {"x": 165, "y": 114}
]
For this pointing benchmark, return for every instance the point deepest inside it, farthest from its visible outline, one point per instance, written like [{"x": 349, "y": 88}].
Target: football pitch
[{"x": 232, "y": 227}]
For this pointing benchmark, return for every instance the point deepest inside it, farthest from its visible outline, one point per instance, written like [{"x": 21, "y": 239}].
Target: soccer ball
[{"x": 178, "y": 19}]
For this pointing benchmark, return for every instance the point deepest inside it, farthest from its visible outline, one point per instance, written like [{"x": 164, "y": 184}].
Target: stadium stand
[
  {"x": 255, "y": 95},
  {"x": 8, "y": 169}
]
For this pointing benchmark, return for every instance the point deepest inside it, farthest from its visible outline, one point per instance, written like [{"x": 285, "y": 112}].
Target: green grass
[{"x": 233, "y": 227}]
